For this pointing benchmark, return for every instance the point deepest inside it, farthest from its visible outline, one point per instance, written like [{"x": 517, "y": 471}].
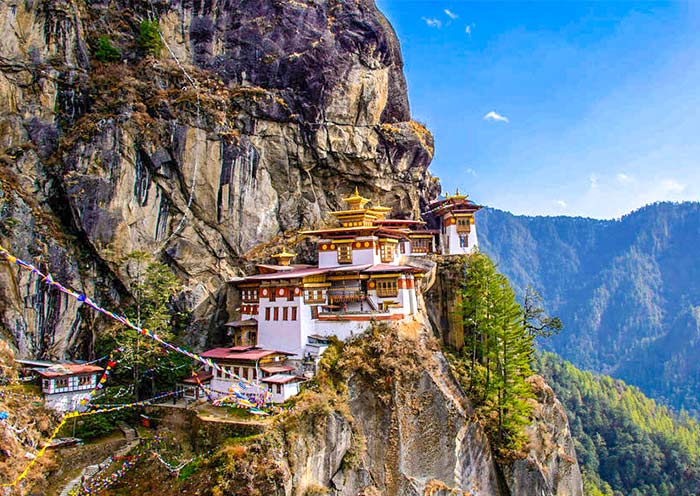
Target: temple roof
[
  {"x": 281, "y": 379},
  {"x": 242, "y": 353},
  {"x": 356, "y": 201},
  {"x": 448, "y": 203},
  {"x": 242, "y": 323},
  {"x": 300, "y": 273},
  {"x": 68, "y": 369}
]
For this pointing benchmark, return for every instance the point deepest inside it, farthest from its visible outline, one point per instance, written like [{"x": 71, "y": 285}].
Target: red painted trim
[{"x": 360, "y": 318}]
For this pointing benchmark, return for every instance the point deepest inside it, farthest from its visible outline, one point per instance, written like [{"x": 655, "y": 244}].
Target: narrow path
[{"x": 92, "y": 470}]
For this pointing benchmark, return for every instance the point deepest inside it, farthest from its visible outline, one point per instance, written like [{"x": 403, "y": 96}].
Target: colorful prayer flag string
[
  {"x": 39, "y": 454},
  {"x": 100, "y": 384},
  {"x": 243, "y": 382}
]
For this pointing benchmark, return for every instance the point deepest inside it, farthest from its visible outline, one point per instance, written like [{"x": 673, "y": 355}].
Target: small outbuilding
[{"x": 65, "y": 385}]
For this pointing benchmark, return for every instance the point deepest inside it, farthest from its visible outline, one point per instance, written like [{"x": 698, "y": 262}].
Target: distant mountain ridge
[{"x": 628, "y": 290}]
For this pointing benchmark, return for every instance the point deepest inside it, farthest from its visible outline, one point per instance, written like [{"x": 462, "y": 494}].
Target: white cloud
[
  {"x": 672, "y": 186},
  {"x": 561, "y": 203},
  {"x": 494, "y": 116},
  {"x": 432, "y": 22},
  {"x": 471, "y": 172},
  {"x": 595, "y": 181},
  {"x": 623, "y": 178},
  {"x": 451, "y": 14},
  {"x": 468, "y": 29}
]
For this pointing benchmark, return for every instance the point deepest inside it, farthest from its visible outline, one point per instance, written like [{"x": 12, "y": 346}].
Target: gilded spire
[
  {"x": 284, "y": 257},
  {"x": 356, "y": 201},
  {"x": 457, "y": 196}
]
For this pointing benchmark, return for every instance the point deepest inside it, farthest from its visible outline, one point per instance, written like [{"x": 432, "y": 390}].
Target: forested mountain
[
  {"x": 627, "y": 290},
  {"x": 626, "y": 443}
]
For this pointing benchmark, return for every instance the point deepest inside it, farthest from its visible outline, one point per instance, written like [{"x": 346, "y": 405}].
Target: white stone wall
[
  {"x": 451, "y": 243},
  {"x": 284, "y": 335},
  {"x": 342, "y": 329},
  {"x": 327, "y": 259},
  {"x": 67, "y": 402}
]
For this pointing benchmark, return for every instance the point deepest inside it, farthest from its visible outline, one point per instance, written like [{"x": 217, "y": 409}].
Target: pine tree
[
  {"x": 147, "y": 363},
  {"x": 498, "y": 349}
]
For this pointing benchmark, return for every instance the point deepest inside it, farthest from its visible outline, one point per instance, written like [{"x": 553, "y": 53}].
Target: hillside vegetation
[
  {"x": 627, "y": 290},
  {"x": 626, "y": 443}
]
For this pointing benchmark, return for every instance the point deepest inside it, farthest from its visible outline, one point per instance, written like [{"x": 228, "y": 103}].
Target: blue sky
[{"x": 602, "y": 100}]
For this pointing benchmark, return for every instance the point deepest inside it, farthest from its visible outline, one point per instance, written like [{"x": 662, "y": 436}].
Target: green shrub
[
  {"x": 105, "y": 51},
  {"x": 149, "y": 38}
]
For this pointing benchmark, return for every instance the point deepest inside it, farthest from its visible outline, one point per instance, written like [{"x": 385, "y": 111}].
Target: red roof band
[
  {"x": 243, "y": 353},
  {"x": 67, "y": 369}
]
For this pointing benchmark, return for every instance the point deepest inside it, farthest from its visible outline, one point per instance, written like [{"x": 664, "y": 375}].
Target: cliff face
[
  {"x": 386, "y": 417},
  {"x": 255, "y": 120}
]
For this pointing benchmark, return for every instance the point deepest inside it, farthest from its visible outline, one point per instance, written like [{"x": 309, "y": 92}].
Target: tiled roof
[
  {"x": 242, "y": 323},
  {"x": 241, "y": 353},
  {"x": 281, "y": 379},
  {"x": 391, "y": 268},
  {"x": 276, "y": 369},
  {"x": 287, "y": 274},
  {"x": 202, "y": 376},
  {"x": 64, "y": 369}
]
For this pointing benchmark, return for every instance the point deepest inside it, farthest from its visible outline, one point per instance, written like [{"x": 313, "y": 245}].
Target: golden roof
[
  {"x": 284, "y": 257},
  {"x": 457, "y": 196},
  {"x": 356, "y": 201}
]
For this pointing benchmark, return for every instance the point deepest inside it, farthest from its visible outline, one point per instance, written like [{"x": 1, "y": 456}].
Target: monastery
[{"x": 364, "y": 273}]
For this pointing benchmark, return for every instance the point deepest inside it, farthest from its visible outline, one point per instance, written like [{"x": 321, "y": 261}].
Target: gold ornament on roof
[
  {"x": 457, "y": 196},
  {"x": 284, "y": 257},
  {"x": 356, "y": 201}
]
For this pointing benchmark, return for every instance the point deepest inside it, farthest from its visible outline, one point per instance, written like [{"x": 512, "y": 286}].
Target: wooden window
[
  {"x": 463, "y": 240},
  {"x": 267, "y": 313},
  {"x": 277, "y": 313},
  {"x": 279, "y": 388},
  {"x": 285, "y": 313},
  {"x": 255, "y": 373},
  {"x": 294, "y": 313},
  {"x": 253, "y": 338},
  {"x": 420, "y": 245},
  {"x": 387, "y": 288},
  {"x": 386, "y": 251},
  {"x": 84, "y": 380},
  {"x": 345, "y": 253},
  {"x": 61, "y": 382},
  {"x": 290, "y": 294}
]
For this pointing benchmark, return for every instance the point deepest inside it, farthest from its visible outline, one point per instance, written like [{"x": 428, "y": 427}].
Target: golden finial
[
  {"x": 284, "y": 257},
  {"x": 356, "y": 201}
]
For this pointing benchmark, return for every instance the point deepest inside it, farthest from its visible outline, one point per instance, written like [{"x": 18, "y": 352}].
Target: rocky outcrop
[
  {"x": 255, "y": 120},
  {"x": 404, "y": 427},
  {"x": 551, "y": 466}
]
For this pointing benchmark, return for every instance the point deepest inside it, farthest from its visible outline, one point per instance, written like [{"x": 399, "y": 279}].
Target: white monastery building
[{"x": 363, "y": 274}]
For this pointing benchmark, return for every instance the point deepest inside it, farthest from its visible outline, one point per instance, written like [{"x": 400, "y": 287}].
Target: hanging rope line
[
  {"x": 39, "y": 454},
  {"x": 243, "y": 383}
]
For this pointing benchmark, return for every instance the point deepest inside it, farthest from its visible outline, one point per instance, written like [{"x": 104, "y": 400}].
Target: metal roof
[
  {"x": 64, "y": 369},
  {"x": 241, "y": 353},
  {"x": 282, "y": 379}
]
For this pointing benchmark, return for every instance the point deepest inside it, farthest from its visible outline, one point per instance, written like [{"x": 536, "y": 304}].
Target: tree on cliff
[
  {"x": 153, "y": 286},
  {"x": 536, "y": 321},
  {"x": 498, "y": 349}
]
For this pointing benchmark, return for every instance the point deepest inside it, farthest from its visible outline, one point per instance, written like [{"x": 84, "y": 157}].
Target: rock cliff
[
  {"x": 255, "y": 120},
  {"x": 384, "y": 416}
]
